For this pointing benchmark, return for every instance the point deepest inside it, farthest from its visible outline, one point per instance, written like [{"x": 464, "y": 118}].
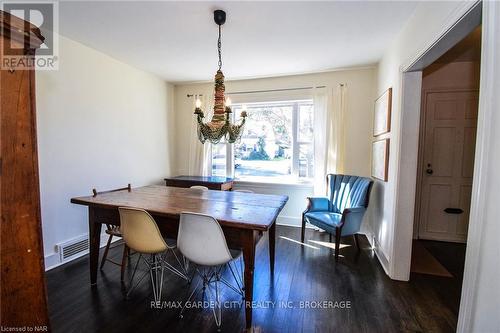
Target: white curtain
[
  {"x": 329, "y": 110},
  {"x": 336, "y": 153},
  {"x": 200, "y": 154}
]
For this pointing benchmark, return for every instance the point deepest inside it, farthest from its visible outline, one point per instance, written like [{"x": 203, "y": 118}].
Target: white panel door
[{"x": 448, "y": 163}]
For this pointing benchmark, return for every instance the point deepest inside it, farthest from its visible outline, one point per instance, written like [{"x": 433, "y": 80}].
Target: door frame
[
  {"x": 482, "y": 208},
  {"x": 463, "y": 21},
  {"x": 420, "y": 158}
]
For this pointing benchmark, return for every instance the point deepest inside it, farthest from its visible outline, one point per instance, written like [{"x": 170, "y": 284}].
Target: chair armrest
[
  {"x": 353, "y": 210},
  {"x": 317, "y": 204},
  {"x": 351, "y": 220}
]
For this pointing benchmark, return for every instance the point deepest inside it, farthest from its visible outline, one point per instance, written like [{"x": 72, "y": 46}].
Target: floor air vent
[{"x": 73, "y": 248}]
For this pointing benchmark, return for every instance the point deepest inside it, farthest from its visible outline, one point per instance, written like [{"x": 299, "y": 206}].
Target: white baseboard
[
  {"x": 289, "y": 221},
  {"x": 53, "y": 260},
  {"x": 378, "y": 252}
]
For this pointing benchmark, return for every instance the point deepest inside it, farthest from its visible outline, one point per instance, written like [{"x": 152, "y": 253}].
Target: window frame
[{"x": 295, "y": 160}]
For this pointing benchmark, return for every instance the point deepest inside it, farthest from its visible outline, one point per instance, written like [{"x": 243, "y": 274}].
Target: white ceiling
[{"x": 177, "y": 40}]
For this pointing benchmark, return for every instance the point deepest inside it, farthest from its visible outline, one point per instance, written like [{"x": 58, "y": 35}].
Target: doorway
[
  {"x": 450, "y": 95},
  {"x": 446, "y": 150},
  {"x": 475, "y": 311}
]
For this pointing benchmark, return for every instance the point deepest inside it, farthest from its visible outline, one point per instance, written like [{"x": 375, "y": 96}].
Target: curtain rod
[{"x": 270, "y": 90}]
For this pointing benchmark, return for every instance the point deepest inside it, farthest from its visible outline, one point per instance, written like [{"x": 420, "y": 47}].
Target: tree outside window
[{"x": 276, "y": 143}]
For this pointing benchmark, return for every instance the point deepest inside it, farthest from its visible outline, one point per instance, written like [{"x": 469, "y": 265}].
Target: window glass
[
  {"x": 219, "y": 158},
  {"x": 305, "y": 132},
  {"x": 271, "y": 146}
]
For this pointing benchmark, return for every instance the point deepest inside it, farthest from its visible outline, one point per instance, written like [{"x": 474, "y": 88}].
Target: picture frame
[
  {"x": 380, "y": 159},
  {"x": 382, "y": 114}
]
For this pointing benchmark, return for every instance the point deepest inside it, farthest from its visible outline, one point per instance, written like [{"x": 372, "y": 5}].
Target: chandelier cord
[{"x": 219, "y": 47}]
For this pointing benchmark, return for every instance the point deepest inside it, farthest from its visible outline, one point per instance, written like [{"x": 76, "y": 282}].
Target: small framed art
[
  {"x": 382, "y": 113},
  {"x": 380, "y": 159}
]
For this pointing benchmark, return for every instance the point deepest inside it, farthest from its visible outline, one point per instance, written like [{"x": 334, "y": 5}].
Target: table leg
[
  {"x": 272, "y": 243},
  {"x": 249, "y": 258},
  {"x": 95, "y": 239}
]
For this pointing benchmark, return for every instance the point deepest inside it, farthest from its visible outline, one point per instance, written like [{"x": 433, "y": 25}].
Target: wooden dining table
[{"x": 244, "y": 217}]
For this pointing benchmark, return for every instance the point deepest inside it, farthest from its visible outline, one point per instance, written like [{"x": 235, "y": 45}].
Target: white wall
[
  {"x": 480, "y": 302},
  {"x": 428, "y": 23},
  {"x": 358, "y": 124},
  {"x": 101, "y": 123}
]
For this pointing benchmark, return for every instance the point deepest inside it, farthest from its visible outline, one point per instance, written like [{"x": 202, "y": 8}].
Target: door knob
[{"x": 429, "y": 170}]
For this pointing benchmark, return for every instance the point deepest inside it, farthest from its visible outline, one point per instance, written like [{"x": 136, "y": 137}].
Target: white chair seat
[
  {"x": 199, "y": 187},
  {"x": 202, "y": 241}
]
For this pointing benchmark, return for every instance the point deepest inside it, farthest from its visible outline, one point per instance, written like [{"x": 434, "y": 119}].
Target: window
[
  {"x": 219, "y": 156},
  {"x": 277, "y": 143}
]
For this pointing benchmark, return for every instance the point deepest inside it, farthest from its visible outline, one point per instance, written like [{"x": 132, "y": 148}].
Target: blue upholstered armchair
[{"x": 341, "y": 213}]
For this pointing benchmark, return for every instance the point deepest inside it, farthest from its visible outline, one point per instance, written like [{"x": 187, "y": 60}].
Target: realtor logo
[{"x": 43, "y": 15}]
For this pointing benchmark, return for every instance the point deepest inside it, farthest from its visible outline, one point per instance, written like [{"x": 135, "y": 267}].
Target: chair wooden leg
[
  {"x": 329, "y": 234},
  {"x": 303, "y": 229},
  {"x": 106, "y": 250},
  {"x": 337, "y": 243},
  {"x": 125, "y": 255},
  {"x": 356, "y": 241}
]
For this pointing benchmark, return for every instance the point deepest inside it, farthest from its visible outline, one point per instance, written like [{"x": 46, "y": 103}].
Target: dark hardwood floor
[
  {"x": 452, "y": 257},
  {"x": 302, "y": 273}
]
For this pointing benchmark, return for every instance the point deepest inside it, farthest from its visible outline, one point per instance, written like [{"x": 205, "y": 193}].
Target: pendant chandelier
[{"x": 220, "y": 126}]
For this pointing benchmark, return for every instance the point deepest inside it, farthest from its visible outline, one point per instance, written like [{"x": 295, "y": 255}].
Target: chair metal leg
[
  {"x": 302, "y": 234},
  {"x": 106, "y": 250},
  {"x": 156, "y": 265},
  {"x": 237, "y": 278},
  {"x": 195, "y": 290},
  {"x": 181, "y": 272},
  {"x": 337, "y": 243},
  {"x": 208, "y": 276},
  {"x": 125, "y": 256},
  {"x": 131, "y": 285},
  {"x": 217, "y": 311},
  {"x": 156, "y": 269},
  {"x": 185, "y": 263},
  {"x": 242, "y": 273}
]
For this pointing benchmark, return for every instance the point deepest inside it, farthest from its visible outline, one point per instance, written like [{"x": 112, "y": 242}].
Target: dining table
[{"x": 244, "y": 218}]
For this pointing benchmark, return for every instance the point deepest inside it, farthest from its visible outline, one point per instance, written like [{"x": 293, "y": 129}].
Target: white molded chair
[
  {"x": 142, "y": 235},
  {"x": 202, "y": 242},
  {"x": 199, "y": 187}
]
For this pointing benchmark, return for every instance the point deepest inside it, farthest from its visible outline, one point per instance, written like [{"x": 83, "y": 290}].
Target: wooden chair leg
[
  {"x": 303, "y": 229},
  {"x": 329, "y": 234},
  {"x": 126, "y": 253},
  {"x": 106, "y": 250},
  {"x": 337, "y": 243},
  {"x": 356, "y": 241}
]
